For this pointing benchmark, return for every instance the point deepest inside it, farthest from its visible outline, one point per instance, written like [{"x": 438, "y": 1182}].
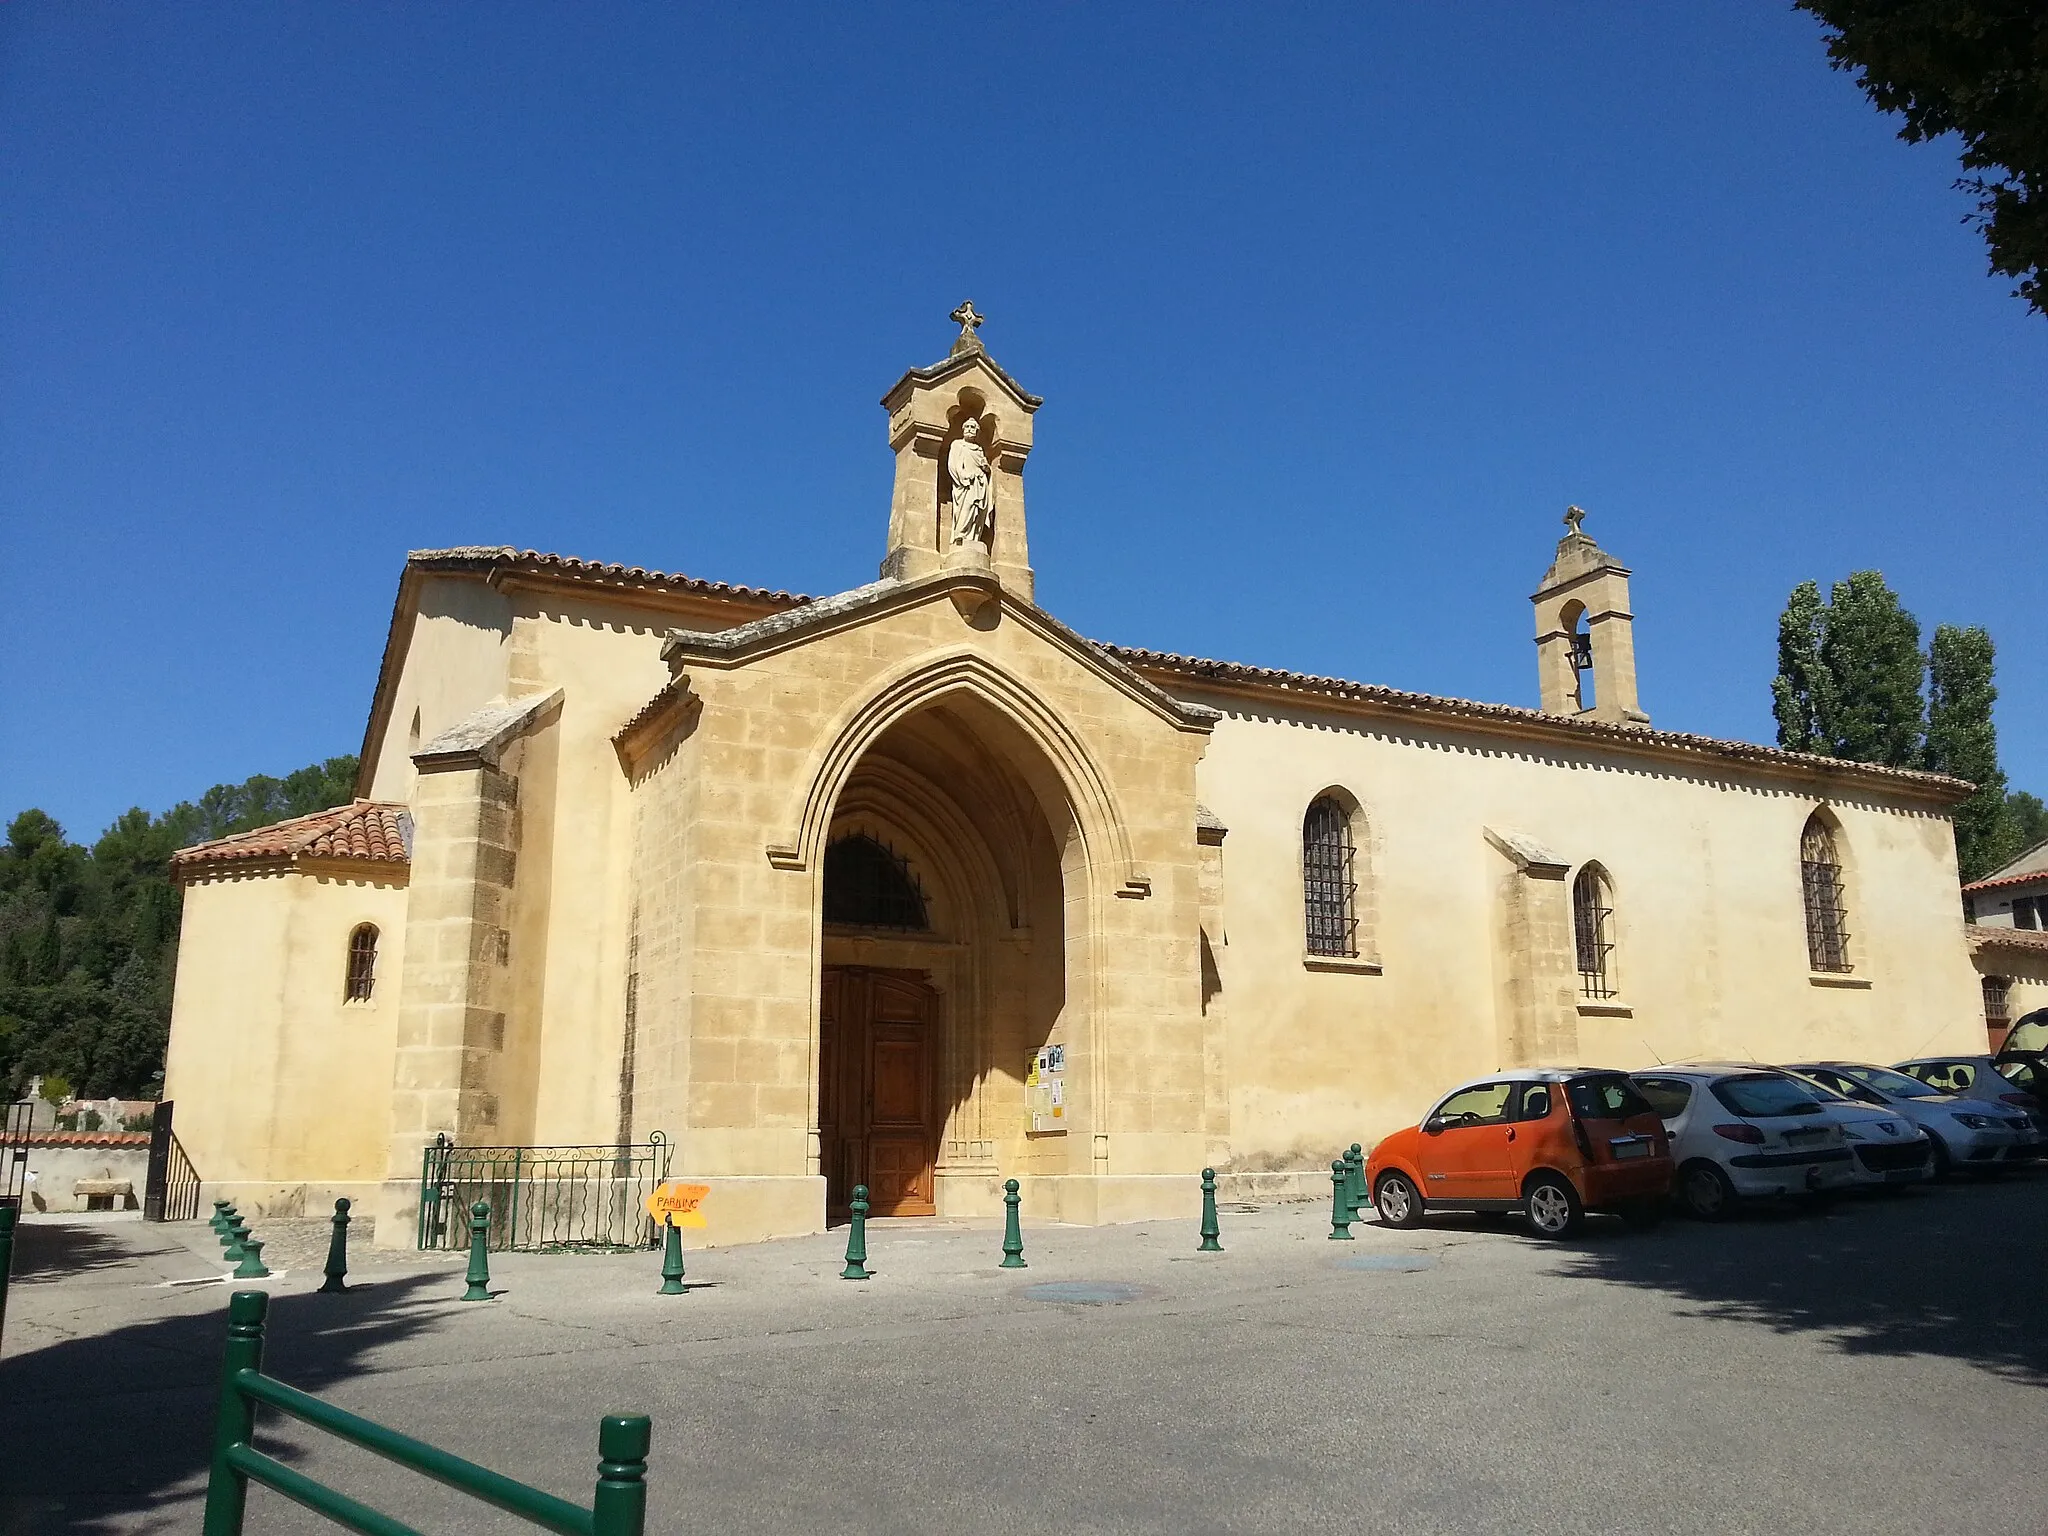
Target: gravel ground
[{"x": 1879, "y": 1369}]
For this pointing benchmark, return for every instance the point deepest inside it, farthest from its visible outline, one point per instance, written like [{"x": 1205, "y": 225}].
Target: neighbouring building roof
[
  {"x": 367, "y": 831},
  {"x": 1985, "y": 936},
  {"x": 2024, "y": 870}
]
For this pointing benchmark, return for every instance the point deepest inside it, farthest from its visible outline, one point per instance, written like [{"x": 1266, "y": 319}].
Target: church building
[{"x": 914, "y": 887}]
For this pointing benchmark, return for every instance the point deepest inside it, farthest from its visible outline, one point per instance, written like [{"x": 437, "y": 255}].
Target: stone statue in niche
[{"x": 974, "y": 492}]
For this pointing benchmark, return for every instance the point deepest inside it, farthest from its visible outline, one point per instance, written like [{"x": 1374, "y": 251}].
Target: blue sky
[{"x": 1334, "y": 310}]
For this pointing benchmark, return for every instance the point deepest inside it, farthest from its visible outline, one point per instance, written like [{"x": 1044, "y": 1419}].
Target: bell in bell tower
[
  {"x": 1585, "y": 633},
  {"x": 961, "y": 431}
]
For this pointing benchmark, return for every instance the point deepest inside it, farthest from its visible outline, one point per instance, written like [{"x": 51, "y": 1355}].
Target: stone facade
[{"x": 624, "y": 791}]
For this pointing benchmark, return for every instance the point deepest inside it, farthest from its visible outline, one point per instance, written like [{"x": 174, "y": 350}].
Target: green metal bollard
[
  {"x": 1356, "y": 1158},
  {"x": 227, "y": 1490},
  {"x": 9, "y": 1214},
  {"x": 619, "y": 1507},
  {"x": 1013, "y": 1235},
  {"x": 1340, "y": 1202},
  {"x": 231, "y": 1241},
  {"x": 337, "y": 1253},
  {"x": 857, "y": 1237},
  {"x": 671, "y": 1259},
  {"x": 251, "y": 1267},
  {"x": 219, "y": 1218},
  {"x": 479, "y": 1276},
  {"x": 1210, "y": 1230}
]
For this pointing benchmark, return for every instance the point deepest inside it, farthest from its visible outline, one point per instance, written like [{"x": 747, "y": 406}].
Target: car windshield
[
  {"x": 1762, "y": 1096},
  {"x": 1897, "y": 1084},
  {"x": 2030, "y": 1033},
  {"x": 2020, "y": 1074},
  {"x": 1607, "y": 1097},
  {"x": 1833, "y": 1086}
]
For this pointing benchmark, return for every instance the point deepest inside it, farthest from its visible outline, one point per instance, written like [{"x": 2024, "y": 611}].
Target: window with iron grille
[
  {"x": 362, "y": 963},
  {"x": 1827, "y": 917},
  {"x": 1997, "y": 1002},
  {"x": 1593, "y": 931},
  {"x": 1329, "y": 887},
  {"x": 868, "y": 886}
]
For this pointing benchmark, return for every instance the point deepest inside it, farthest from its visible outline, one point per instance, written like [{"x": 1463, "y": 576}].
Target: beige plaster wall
[
  {"x": 276, "y": 1077},
  {"x": 1711, "y": 956},
  {"x": 455, "y": 662}
]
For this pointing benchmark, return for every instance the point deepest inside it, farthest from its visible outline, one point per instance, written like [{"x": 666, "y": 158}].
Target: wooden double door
[{"x": 876, "y": 1122}]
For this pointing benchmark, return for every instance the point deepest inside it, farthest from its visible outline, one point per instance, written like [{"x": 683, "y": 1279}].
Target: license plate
[
  {"x": 1627, "y": 1149},
  {"x": 1804, "y": 1138}
]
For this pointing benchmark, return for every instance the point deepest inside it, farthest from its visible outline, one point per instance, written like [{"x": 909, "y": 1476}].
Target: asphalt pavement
[{"x": 1882, "y": 1368}]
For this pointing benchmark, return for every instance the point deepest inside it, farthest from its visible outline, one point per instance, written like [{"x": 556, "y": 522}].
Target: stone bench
[{"x": 100, "y": 1194}]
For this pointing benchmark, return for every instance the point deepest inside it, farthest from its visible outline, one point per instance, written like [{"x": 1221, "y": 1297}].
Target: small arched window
[
  {"x": 1593, "y": 931},
  {"x": 868, "y": 886},
  {"x": 1827, "y": 913},
  {"x": 362, "y": 963},
  {"x": 1328, "y": 879}
]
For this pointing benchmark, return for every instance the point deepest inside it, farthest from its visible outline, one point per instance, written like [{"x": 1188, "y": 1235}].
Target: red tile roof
[
  {"x": 1202, "y": 669},
  {"x": 2026, "y": 877},
  {"x": 84, "y": 1139},
  {"x": 369, "y": 830},
  {"x": 493, "y": 557},
  {"x": 1989, "y": 936}
]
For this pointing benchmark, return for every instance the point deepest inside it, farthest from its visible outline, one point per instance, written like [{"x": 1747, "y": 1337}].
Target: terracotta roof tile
[
  {"x": 1988, "y": 936},
  {"x": 2025, "y": 877},
  {"x": 370, "y": 830},
  {"x": 83, "y": 1139},
  {"x": 1202, "y": 668},
  {"x": 490, "y": 556}
]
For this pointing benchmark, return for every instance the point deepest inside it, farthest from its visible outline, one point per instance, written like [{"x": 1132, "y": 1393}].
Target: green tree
[
  {"x": 1977, "y": 69},
  {"x": 1849, "y": 673},
  {"x": 1963, "y": 742},
  {"x": 89, "y": 938},
  {"x": 2029, "y": 818}
]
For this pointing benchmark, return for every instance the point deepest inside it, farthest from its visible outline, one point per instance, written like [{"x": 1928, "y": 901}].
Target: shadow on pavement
[
  {"x": 1945, "y": 1271},
  {"x": 50, "y": 1250},
  {"x": 107, "y": 1431}
]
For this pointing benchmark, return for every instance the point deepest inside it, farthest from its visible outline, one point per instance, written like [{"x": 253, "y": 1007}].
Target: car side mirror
[{"x": 1431, "y": 1126}]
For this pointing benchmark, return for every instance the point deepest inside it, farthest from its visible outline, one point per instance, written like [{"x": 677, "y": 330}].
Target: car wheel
[
  {"x": 1553, "y": 1206},
  {"x": 1398, "y": 1201},
  {"x": 1706, "y": 1192},
  {"x": 1944, "y": 1165},
  {"x": 1643, "y": 1213}
]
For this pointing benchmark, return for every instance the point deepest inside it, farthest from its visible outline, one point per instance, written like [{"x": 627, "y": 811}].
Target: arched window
[
  {"x": 1593, "y": 931},
  {"x": 362, "y": 963},
  {"x": 868, "y": 886},
  {"x": 1827, "y": 915},
  {"x": 1328, "y": 881}
]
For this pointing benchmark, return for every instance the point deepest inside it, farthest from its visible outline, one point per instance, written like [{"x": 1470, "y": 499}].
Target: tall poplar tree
[
  {"x": 1962, "y": 741},
  {"x": 1850, "y": 673}
]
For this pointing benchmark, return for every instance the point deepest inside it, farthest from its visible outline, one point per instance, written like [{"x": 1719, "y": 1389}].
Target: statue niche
[{"x": 967, "y": 491}]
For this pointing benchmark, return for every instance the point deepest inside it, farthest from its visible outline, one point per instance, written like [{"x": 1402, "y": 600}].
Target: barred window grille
[
  {"x": 1593, "y": 931},
  {"x": 868, "y": 886},
  {"x": 1329, "y": 886},
  {"x": 1827, "y": 917},
  {"x": 362, "y": 963},
  {"x": 1997, "y": 1002}
]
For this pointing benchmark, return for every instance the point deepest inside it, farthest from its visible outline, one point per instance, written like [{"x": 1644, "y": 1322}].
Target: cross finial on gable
[
  {"x": 1574, "y": 518},
  {"x": 969, "y": 322}
]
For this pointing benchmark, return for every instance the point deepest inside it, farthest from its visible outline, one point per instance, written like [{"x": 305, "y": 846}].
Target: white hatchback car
[{"x": 1743, "y": 1132}]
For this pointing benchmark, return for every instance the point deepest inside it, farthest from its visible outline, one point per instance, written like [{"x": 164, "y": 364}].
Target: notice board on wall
[{"x": 1045, "y": 1089}]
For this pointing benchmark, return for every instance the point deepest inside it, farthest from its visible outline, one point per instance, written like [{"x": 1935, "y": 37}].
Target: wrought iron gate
[
  {"x": 542, "y": 1199},
  {"x": 171, "y": 1192},
  {"x": 15, "y": 1120}
]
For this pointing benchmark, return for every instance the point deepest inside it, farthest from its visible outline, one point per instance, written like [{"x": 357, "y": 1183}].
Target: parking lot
[{"x": 1880, "y": 1368}]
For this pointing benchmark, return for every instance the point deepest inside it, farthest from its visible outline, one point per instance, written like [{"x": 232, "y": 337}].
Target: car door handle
[{"x": 1511, "y": 1133}]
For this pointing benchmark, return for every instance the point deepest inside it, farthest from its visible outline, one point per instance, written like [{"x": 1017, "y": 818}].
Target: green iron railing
[
  {"x": 543, "y": 1199},
  {"x": 617, "y": 1508}
]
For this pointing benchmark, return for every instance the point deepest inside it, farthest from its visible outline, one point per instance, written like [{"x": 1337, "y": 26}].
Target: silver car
[
  {"x": 1890, "y": 1150},
  {"x": 1967, "y": 1133},
  {"x": 1981, "y": 1078}
]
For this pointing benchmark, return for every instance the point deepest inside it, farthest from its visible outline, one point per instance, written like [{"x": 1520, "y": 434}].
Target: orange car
[{"x": 1553, "y": 1144}]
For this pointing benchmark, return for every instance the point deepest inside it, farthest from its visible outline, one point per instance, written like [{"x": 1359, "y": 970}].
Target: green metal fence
[
  {"x": 543, "y": 1199},
  {"x": 617, "y": 1508}
]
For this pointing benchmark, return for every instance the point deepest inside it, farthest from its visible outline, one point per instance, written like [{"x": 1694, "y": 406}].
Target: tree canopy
[
  {"x": 1853, "y": 683},
  {"x": 1977, "y": 69},
  {"x": 89, "y": 936}
]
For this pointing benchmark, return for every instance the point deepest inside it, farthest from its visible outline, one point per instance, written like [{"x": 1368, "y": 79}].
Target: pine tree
[{"x": 1963, "y": 742}]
